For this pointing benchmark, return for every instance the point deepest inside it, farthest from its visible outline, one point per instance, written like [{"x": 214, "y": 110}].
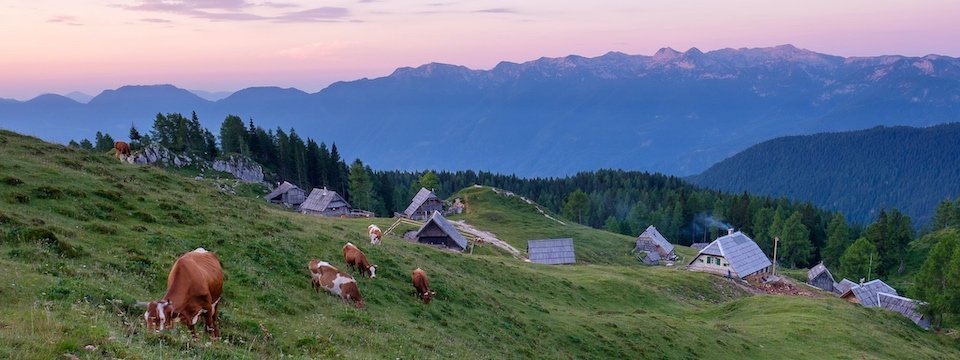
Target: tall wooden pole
[{"x": 776, "y": 241}]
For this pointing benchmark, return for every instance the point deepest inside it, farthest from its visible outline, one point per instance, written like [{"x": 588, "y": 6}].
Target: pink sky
[{"x": 217, "y": 45}]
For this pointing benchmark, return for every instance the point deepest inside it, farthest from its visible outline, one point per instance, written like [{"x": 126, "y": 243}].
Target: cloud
[
  {"x": 326, "y": 13},
  {"x": 496, "y": 11},
  {"x": 156, "y": 20},
  {"x": 278, "y": 5},
  {"x": 314, "y": 50},
  {"x": 65, "y": 19},
  {"x": 238, "y": 10}
]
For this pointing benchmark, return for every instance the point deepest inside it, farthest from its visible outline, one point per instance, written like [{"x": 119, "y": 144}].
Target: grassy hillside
[{"x": 83, "y": 238}]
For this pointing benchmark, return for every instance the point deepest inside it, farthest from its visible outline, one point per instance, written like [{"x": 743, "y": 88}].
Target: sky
[{"x": 54, "y": 46}]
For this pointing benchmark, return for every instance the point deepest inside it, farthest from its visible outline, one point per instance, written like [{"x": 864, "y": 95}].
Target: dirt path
[
  {"x": 528, "y": 201},
  {"x": 488, "y": 237}
]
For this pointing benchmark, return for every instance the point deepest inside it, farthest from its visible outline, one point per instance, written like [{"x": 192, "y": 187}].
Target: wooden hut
[
  {"x": 551, "y": 251},
  {"x": 650, "y": 240},
  {"x": 866, "y": 294},
  {"x": 325, "y": 202},
  {"x": 438, "y": 231},
  {"x": 287, "y": 194},
  {"x": 842, "y": 286},
  {"x": 904, "y": 306},
  {"x": 819, "y": 276},
  {"x": 733, "y": 255},
  {"x": 423, "y": 205}
]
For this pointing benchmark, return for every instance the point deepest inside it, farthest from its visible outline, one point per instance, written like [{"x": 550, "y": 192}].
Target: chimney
[{"x": 730, "y": 231}]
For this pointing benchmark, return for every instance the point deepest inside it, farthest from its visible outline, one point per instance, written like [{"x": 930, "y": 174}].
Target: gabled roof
[
  {"x": 446, "y": 227},
  {"x": 744, "y": 256},
  {"x": 844, "y": 285},
  {"x": 867, "y": 293},
  {"x": 652, "y": 233},
  {"x": 551, "y": 251},
  {"x": 320, "y": 199},
  {"x": 422, "y": 196},
  {"x": 817, "y": 270},
  {"x": 280, "y": 190},
  {"x": 906, "y": 307}
]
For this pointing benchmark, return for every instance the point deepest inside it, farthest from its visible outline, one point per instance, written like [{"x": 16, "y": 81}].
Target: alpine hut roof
[
  {"x": 551, "y": 251},
  {"x": 444, "y": 225},
  {"x": 322, "y": 199},
  {"x": 740, "y": 251},
  {"x": 422, "y": 196},
  {"x": 816, "y": 271},
  {"x": 280, "y": 190},
  {"x": 906, "y": 307},
  {"x": 842, "y": 286},
  {"x": 652, "y": 233},
  {"x": 867, "y": 293}
]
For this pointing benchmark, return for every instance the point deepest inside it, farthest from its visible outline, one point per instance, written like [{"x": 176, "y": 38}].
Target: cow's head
[
  {"x": 427, "y": 296},
  {"x": 373, "y": 271},
  {"x": 159, "y": 315}
]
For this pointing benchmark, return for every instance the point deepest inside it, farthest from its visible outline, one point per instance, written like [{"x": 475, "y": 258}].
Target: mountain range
[
  {"x": 673, "y": 112},
  {"x": 857, "y": 172}
]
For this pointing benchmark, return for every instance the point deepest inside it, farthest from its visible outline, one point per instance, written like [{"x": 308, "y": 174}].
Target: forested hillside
[{"x": 858, "y": 172}]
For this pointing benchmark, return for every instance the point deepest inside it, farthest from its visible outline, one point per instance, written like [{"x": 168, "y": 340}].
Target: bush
[
  {"x": 18, "y": 198},
  {"x": 12, "y": 181},
  {"x": 48, "y": 192}
]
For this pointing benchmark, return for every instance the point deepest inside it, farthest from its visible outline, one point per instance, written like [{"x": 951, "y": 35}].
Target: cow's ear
[
  {"x": 433, "y": 293},
  {"x": 374, "y": 265}
]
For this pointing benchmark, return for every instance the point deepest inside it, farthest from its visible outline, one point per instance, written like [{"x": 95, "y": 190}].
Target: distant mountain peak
[
  {"x": 666, "y": 54},
  {"x": 432, "y": 69}
]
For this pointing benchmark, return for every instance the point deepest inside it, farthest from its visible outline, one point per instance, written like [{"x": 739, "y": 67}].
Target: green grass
[{"x": 83, "y": 238}]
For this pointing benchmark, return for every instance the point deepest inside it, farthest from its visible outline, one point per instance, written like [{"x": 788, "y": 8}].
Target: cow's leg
[
  {"x": 188, "y": 321},
  {"x": 210, "y": 322}
]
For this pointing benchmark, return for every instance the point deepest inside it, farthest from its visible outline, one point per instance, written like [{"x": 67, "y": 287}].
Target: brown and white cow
[
  {"x": 357, "y": 259},
  {"x": 375, "y": 234},
  {"x": 121, "y": 148},
  {"x": 331, "y": 279},
  {"x": 422, "y": 284},
  {"x": 194, "y": 287}
]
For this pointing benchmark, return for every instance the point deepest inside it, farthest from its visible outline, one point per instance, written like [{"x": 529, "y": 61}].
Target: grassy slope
[{"x": 82, "y": 238}]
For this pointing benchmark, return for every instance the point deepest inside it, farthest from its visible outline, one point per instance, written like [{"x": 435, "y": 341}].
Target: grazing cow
[
  {"x": 194, "y": 286},
  {"x": 356, "y": 259},
  {"x": 323, "y": 275},
  {"x": 422, "y": 284},
  {"x": 375, "y": 234},
  {"x": 121, "y": 148}
]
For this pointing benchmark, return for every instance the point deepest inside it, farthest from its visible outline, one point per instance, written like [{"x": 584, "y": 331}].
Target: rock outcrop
[{"x": 242, "y": 168}]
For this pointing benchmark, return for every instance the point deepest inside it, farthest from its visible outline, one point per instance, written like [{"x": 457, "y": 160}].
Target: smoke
[{"x": 704, "y": 222}]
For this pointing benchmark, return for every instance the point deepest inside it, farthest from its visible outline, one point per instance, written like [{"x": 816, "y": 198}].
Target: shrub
[
  {"x": 12, "y": 181},
  {"x": 48, "y": 192}
]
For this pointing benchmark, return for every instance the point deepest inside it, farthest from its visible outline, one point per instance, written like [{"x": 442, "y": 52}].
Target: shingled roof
[
  {"x": 652, "y": 233},
  {"x": 816, "y": 271},
  {"x": 286, "y": 186},
  {"x": 906, "y": 307},
  {"x": 444, "y": 225},
  {"x": 744, "y": 256},
  {"x": 842, "y": 286},
  {"x": 551, "y": 251},
  {"x": 867, "y": 293},
  {"x": 321, "y": 199},
  {"x": 418, "y": 200}
]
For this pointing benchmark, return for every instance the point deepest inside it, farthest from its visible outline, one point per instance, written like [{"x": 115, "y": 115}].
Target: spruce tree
[{"x": 838, "y": 239}]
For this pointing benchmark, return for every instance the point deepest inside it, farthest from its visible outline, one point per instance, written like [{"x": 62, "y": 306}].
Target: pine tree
[
  {"x": 104, "y": 142},
  {"x": 361, "y": 187},
  {"x": 860, "y": 261},
  {"x": 946, "y": 215},
  {"x": 86, "y": 144},
  {"x": 838, "y": 239},
  {"x": 430, "y": 181},
  {"x": 795, "y": 247},
  {"x": 612, "y": 224},
  {"x": 762, "y": 224},
  {"x": 233, "y": 136},
  {"x": 73, "y": 144},
  {"x": 938, "y": 280},
  {"x": 577, "y": 206}
]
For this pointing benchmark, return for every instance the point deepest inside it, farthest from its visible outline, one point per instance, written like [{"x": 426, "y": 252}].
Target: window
[
  {"x": 709, "y": 260},
  {"x": 718, "y": 261}
]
